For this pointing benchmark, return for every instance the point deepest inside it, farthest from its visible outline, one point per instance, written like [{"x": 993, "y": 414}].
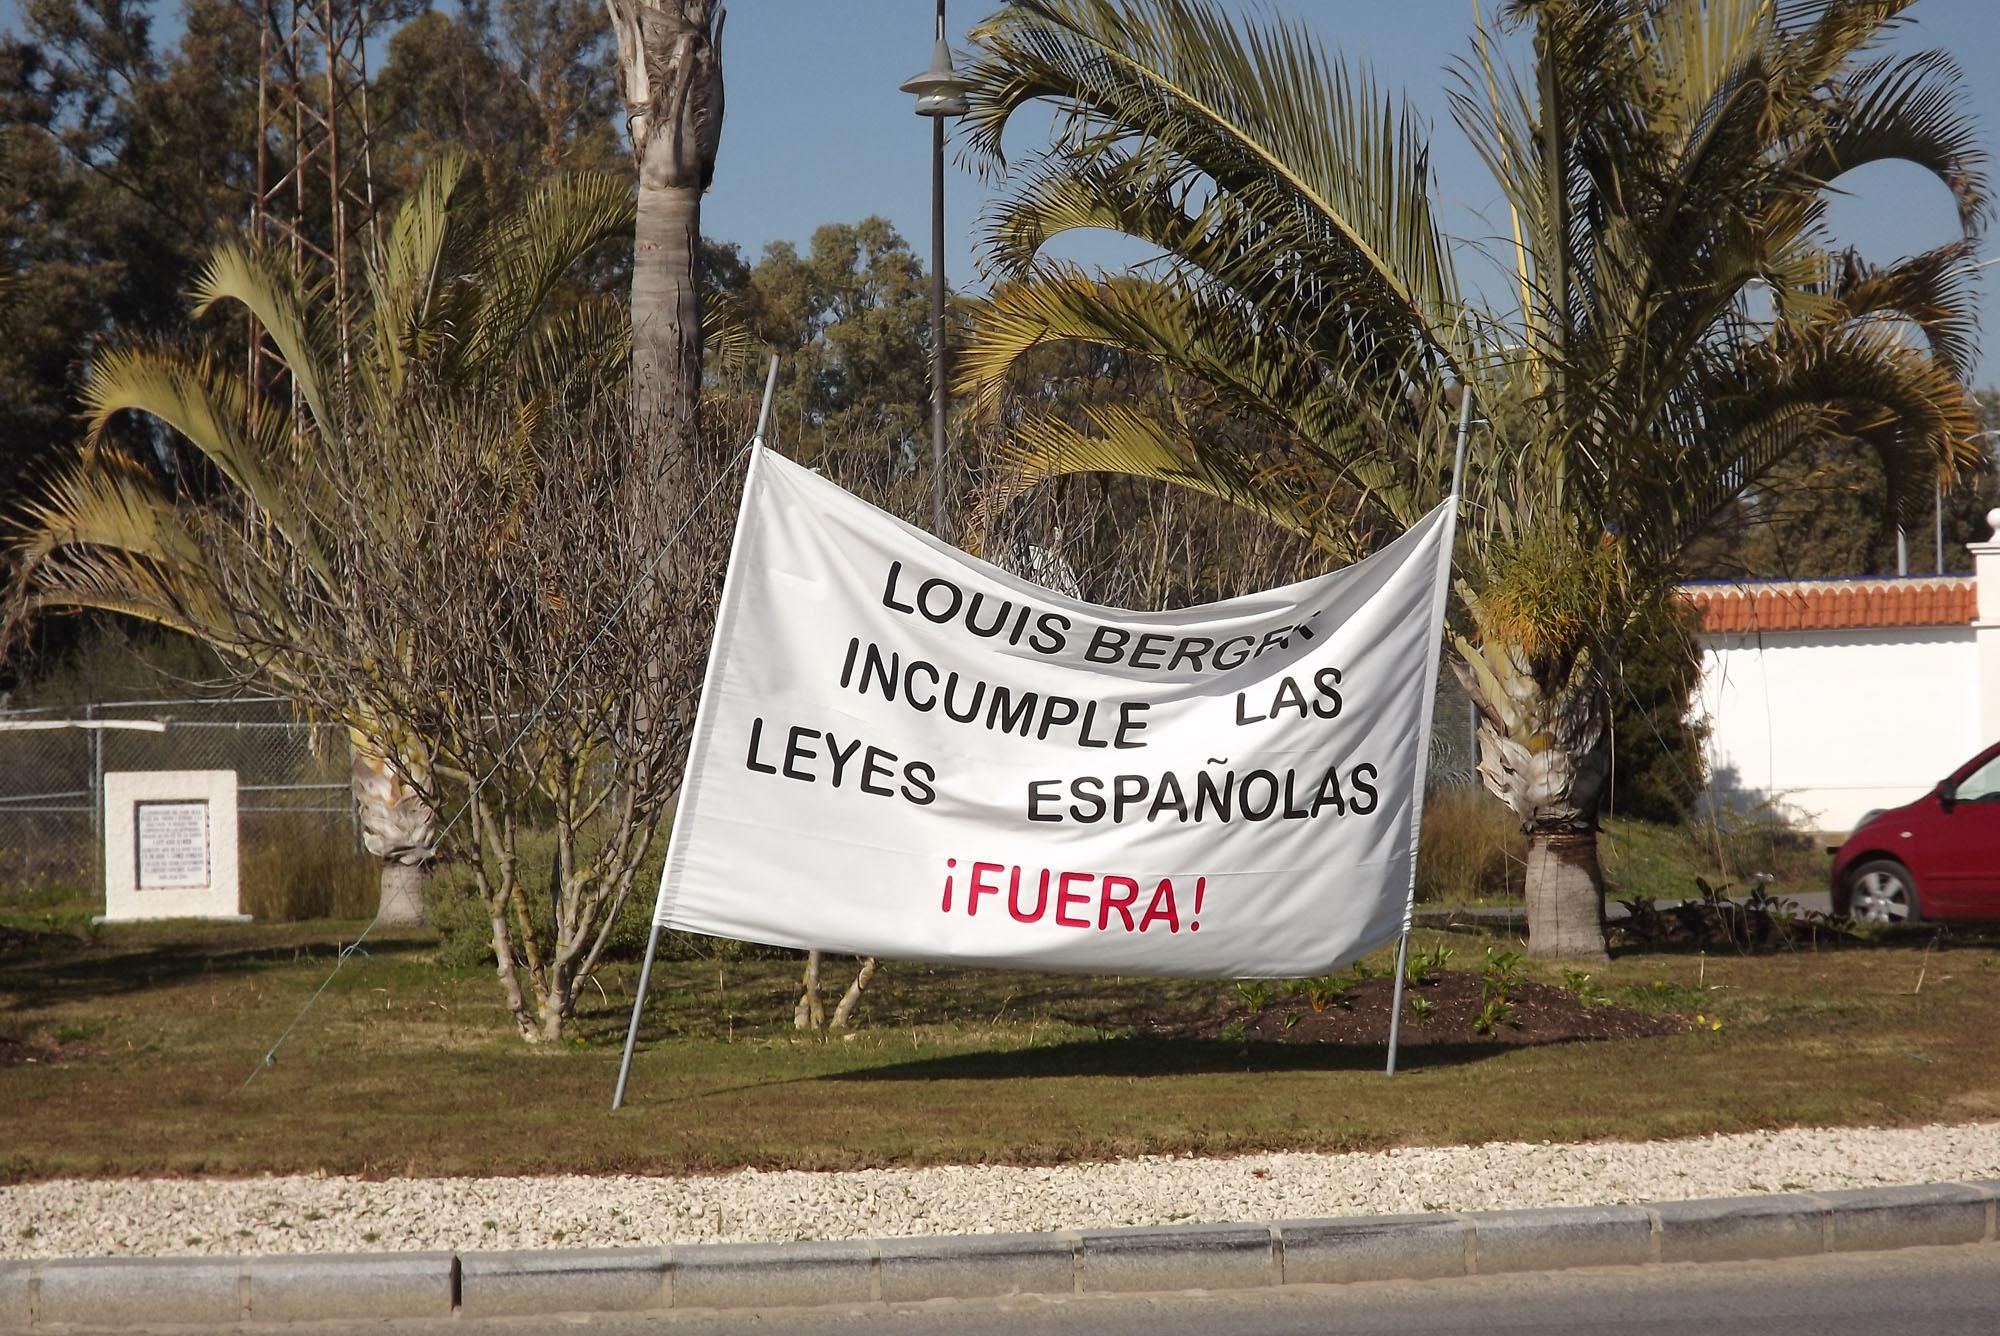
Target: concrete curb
[{"x": 218, "y": 1290}]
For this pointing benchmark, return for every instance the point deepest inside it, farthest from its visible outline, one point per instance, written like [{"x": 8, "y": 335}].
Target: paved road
[{"x": 1915, "y": 1292}]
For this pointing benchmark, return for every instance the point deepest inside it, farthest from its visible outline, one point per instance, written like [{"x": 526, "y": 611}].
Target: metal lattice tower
[{"x": 314, "y": 195}]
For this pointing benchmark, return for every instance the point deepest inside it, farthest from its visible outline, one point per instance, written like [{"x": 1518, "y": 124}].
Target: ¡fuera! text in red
[{"x": 1103, "y": 903}]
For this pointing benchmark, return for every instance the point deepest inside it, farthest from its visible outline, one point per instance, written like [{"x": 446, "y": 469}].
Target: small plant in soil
[
  {"x": 1328, "y": 990},
  {"x": 1256, "y": 994},
  {"x": 1497, "y": 1012},
  {"x": 1427, "y": 965},
  {"x": 1503, "y": 974},
  {"x": 1421, "y": 1010},
  {"x": 1711, "y": 918},
  {"x": 1580, "y": 983}
]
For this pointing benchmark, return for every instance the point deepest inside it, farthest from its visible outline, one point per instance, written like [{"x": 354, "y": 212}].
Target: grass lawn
[{"x": 128, "y": 1055}]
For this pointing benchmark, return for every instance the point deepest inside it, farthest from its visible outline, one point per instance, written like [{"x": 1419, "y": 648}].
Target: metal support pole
[
  {"x": 1902, "y": 551},
  {"x": 638, "y": 1005},
  {"x": 1424, "y": 738},
  {"x": 937, "y": 314},
  {"x": 653, "y": 938},
  {"x": 764, "y": 413}
]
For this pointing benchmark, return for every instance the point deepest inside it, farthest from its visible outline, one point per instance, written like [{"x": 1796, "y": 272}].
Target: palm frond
[
  {"x": 1258, "y": 111},
  {"x": 1931, "y": 291},
  {"x": 1908, "y": 109},
  {"x": 587, "y": 345},
  {"x": 102, "y": 499},
  {"x": 1241, "y": 366},
  {"x": 409, "y": 279},
  {"x": 205, "y": 403},
  {"x": 729, "y": 346},
  {"x": 103, "y": 534},
  {"x": 1154, "y": 445},
  {"x": 1860, "y": 381},
  {"x": 530, "y": 249},
  {"x": 284, "y": 313}
]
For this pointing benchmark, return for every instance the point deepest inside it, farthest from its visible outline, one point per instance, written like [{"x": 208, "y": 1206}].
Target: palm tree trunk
[
  {"x": 1565, "y": 894},
  {"x": 666, "y": 319},
  {"x": 398, "y": 827},
  {"x": 670, "y": 72},
  {"x": 402, "y": 894},
  {"x": 1545, "y": 749}
]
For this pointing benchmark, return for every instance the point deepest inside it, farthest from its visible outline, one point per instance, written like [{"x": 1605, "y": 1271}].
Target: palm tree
[
  {"x": 1666, "y": 164},
  {"x": 458, "y": 302},
  {"x": 670, "y": 73}
]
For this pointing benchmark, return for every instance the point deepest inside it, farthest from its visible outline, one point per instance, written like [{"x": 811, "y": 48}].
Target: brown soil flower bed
[{"x": 1542, "y": 1015}]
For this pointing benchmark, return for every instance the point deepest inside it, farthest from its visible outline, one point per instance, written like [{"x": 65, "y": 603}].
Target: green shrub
[
  {"x": 1744, "y": 847},
  {"x": 1472, "y": 848},
  {"x": 1658, "y": 769}
]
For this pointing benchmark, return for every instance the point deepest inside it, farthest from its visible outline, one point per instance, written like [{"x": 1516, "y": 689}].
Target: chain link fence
[
  {"x": 1454, "y": 761},
  {"x": 294, "y": 801},
  {"x": 299, "y": 831}
]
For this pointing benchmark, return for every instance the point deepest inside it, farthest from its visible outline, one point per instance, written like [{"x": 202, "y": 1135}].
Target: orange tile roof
[{"x": 1828, "y": 605}]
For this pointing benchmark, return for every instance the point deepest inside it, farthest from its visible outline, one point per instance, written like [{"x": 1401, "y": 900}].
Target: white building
[{"x": 1833, "y": 698}]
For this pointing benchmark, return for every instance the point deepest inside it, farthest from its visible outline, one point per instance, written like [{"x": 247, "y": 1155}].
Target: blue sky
[{"x": 817, "y": 130}]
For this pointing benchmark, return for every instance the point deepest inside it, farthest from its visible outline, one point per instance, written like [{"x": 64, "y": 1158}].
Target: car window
[{"x": 1982, "y": 785}]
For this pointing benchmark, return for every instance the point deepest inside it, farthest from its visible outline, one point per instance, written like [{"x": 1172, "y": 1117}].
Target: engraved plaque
[{"x": 172, "y": 844}]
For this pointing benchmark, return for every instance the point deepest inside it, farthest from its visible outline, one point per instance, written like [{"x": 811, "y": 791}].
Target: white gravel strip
[{"x": 76, "y": 1217}]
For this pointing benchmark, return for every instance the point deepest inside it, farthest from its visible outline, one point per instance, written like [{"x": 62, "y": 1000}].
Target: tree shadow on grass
[
  {"x": 1129, "y": 1058},
  {"x": 1142, "y": 1057},
  {"x": 57, "y": 968}
]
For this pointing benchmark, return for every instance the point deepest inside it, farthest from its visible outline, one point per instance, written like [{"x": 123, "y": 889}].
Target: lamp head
[{"x": 941, "y": 89}]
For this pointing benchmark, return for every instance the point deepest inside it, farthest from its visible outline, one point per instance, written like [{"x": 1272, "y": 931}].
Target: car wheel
[{"x": 1882, "y": 892}]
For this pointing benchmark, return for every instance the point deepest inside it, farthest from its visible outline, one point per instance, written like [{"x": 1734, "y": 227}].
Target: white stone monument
[{"x": 170, "y": 845}]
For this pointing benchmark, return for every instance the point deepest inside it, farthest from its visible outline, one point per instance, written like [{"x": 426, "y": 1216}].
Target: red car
[{"x": 1935, "y": 858}]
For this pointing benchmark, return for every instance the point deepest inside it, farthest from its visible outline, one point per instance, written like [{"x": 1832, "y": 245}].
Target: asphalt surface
[{"x": 1913, "y": 1292}]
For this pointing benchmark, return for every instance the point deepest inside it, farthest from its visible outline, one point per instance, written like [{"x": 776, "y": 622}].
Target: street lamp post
[{"x": 940, "y": 92}]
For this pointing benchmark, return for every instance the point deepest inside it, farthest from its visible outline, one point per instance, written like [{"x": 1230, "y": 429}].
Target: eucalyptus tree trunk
[
  {"x": 670, "y": 73},
  {"x": 810, "y": 1014},
  {"x": 1545, "y": 750},
  {"x": 398, "y": 827}
]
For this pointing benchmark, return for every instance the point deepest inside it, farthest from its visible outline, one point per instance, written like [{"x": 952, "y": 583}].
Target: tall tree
[
  {"x": 457, "y": 304},
  {"x": 116, "y": 167},
  {"x": 848, "y": 318},
  {"x": 517, "y": 87},
  {"x": 1826, "y": 513},
  {"x": 1657, "y": 156},
  {"x": 670, "y": 74}
]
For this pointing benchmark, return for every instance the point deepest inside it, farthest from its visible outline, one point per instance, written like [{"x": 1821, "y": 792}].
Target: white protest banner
[{"x": 906, "y": 752}]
